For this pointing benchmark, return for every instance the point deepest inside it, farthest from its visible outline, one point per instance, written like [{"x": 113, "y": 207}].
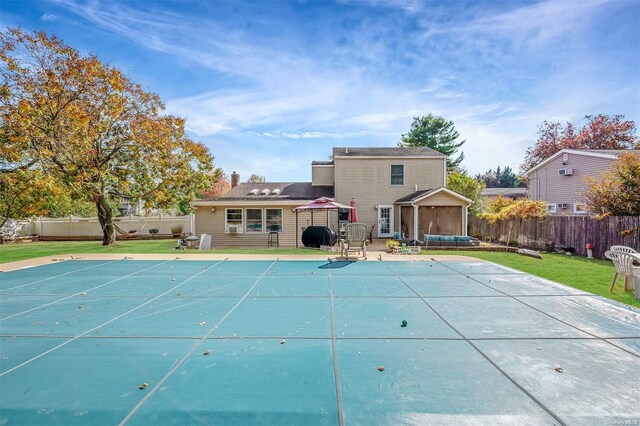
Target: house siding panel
[
  {"x": 213, "y": 223},
  {"x": 546, "y": 185},
  {"x": 322, "y": 175},
  {"x": 368, "y": 181},
  {"x": 441, "y": 199}
]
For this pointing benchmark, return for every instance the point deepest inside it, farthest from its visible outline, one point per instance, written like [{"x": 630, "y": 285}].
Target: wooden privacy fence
[{"x": 563, "y": 231}]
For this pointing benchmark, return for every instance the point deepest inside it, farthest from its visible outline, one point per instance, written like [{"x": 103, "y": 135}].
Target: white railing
[{"x": 90, "y": 227}]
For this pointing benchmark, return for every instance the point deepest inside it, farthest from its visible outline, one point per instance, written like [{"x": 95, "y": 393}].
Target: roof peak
[{"x": 395, "y": 151}]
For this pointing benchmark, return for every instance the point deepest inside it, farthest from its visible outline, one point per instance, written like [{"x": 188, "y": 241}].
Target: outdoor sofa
[{"x": 450, "y": 241}]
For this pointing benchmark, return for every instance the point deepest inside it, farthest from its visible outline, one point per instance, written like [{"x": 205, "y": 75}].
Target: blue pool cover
[{"x": 306, "y": 342}]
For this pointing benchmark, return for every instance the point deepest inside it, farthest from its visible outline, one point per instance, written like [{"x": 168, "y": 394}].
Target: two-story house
[
  {"x": 559, "y": 180},
  {"x": 399, "y": 191}
]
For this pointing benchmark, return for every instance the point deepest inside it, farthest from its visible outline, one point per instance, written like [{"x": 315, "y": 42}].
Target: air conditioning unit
[
  {"x": 234, "y": 229},
  {"x": 563, "y": 205},
  {"x": 565, "y": 172}
]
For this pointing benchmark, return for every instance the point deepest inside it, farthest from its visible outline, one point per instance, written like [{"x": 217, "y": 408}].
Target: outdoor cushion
[
  {"x": 463, "y": 238},
  {"x": 448, "y": 238},
  {"x": 431, "y": 238}
]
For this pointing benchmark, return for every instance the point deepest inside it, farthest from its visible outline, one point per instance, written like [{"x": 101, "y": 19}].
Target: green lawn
[
  {"x": 593, "y": 276},
  {"x": 14, "y": 252}
]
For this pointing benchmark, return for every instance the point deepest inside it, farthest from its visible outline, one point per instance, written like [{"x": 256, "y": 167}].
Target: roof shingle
[
  {"x": 398, "y": 151},
  {"x": 287, "y": 191},
  {"x": 414, "y": 196}
]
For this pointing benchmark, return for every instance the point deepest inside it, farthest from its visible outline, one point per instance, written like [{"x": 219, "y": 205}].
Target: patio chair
[
  {"x": 273, "y": 238},
  {"x": 355, "y": 239},
  {"x": 622, "y": 249},
  {"x": 623, "y": 263}
]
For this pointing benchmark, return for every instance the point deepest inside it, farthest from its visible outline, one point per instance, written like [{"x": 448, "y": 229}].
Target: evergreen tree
[
  {"x": 501, "y": 178},
  {"x": 437, "y": 133}
]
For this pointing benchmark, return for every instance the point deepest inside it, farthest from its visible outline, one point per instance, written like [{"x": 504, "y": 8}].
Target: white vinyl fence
[{"x": 90, "y": 227}]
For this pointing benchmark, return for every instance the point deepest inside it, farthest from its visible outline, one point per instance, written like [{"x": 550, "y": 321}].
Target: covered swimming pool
[{"x": 309, "y": 342}]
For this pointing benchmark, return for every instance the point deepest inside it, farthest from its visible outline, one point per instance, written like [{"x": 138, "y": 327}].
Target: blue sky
[{"x": 270, "y": 86}]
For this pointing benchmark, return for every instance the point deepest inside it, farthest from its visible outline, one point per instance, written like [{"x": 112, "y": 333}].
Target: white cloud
[
  {"x": 532, "y": 24},
  {"x": 293, "y": 103},
  {"x": 48, "y": 17}
]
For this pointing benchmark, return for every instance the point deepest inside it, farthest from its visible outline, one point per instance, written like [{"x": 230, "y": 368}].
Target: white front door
[{"x": 385, "y": 221}]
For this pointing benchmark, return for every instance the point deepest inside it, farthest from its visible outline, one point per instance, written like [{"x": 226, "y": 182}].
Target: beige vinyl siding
[
  {"x": 546, "y": 185},
  {"x": 441, "y": 199},
  {"x": 213, "y": 223},
  {"x": 322, "y": 175},
  {"x": 448, "y": 215},
  {"x": 368, "y": 181}
]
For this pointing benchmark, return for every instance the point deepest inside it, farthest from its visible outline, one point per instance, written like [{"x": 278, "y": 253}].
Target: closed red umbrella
[{"x": 353, "y": 213}]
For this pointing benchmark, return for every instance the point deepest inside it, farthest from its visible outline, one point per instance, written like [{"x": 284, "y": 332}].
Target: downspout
[
  {"x": 466, "y": 221},
  {"x": 445, "y": 173},
  {"x": 415, "y": 222}
]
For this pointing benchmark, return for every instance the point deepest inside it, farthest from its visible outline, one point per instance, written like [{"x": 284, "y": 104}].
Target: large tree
[
  {"x": 500, "y": 178},
  {"x": 616, "y": 192},
  {"x": 254, "y": 178},
  {"x": 97, "y": 134},
  {"x": 219, "y": 185},
  {"x": 467, "y": 186},
  {"x": 24, "y": 193},
  {"x": 600, "y": 132},
  {"x": 437, "y": 133}
]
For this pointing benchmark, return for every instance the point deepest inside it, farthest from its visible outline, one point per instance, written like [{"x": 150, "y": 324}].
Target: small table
[{"x": 192, "y": 242}]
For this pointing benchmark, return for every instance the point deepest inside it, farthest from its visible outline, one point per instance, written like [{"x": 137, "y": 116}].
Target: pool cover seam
[
  {"x": 59, "y": 275},
  {"x": 334, "y": 353},
  {"x": 192, "y": 350},
  {"x": 540, "y": 311},
  {"x": 143, "y": 296},
  {"x": 485, "y": 356},
  {"x": 79, "y": 293},
  {"x": 101, "y": 325},
  {"x": 489, "y": 339}
]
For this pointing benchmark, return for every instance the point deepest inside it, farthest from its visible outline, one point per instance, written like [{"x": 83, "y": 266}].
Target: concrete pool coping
[{"x": 372, "y": 255}]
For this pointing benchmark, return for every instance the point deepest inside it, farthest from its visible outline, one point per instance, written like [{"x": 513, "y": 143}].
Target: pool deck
[{"x": 372, "y": 255}]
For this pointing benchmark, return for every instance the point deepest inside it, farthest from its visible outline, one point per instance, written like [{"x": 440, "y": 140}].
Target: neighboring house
[
  {"x": 559, "y": 180},
  {"x": 512, "y": 193},
  {"x": 128, "y": 208},
  {"x": 398, "y": 190}
]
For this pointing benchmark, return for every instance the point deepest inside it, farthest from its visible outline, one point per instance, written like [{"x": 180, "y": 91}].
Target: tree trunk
[{"x": 105, "y": 217}]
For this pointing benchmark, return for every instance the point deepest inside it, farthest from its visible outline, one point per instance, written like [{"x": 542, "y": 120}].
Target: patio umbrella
[
  {"x": 324, "y": 203},
  {"x": 353, "y": 213}
]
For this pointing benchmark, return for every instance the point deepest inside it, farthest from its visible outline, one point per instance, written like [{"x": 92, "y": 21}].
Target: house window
[
  {"x": 397, "y": 174},
  {"x": 551, "y": 208},
  {"x": 233, "y": 220},
  {"x": 274, "y": 219},
  {"x": 254, "y": 221},
  {"x": 343, "y": 214},
  {"x": 579, "y": 208}
]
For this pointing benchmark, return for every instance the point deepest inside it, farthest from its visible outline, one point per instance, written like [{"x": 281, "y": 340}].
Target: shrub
[
  {"x": 176, "y": 229},
  {"x": 616, "y": 192},
  {"x": 391, "y": 244},
  {"x": 504, "y": 209}
]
